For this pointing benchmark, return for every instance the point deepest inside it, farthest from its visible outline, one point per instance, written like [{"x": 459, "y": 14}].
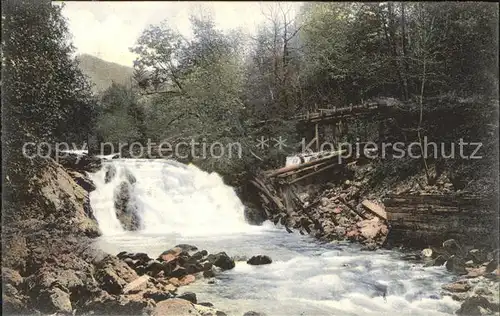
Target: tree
[
  {"x": 45, "y": 95},
  {"x": 121, "y": 117},
  {"x": 43, "y": 85}
]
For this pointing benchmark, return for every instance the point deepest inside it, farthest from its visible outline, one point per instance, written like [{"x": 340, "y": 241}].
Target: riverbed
[{"x": 182, "y": 204}]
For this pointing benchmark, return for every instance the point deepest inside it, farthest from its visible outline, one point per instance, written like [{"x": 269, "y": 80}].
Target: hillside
[{"x": 102, "y": 73}]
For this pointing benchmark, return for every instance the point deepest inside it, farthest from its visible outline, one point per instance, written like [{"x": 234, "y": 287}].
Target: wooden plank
[
  {"x": 294, "y": 172},
  {"x": 307, "y": 164},
  {"x": 268, "y": 194},
  {"x": 352, "y": 208},
  {"x": 375, "y": 209},
  {"x": 313, "y": 173}
]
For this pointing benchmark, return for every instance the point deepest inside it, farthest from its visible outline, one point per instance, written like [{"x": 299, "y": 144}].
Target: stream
[{"x": 180, "y": 203}]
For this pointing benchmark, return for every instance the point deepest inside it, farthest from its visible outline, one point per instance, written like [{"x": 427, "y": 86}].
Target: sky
[{"x": 108, "y": 29}]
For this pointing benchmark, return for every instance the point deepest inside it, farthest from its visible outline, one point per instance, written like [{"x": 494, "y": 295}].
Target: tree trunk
[{"x": 404, "y": 60}]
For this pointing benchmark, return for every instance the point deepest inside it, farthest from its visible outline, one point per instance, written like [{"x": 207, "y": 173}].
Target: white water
[{"x": 182, "y": 204}]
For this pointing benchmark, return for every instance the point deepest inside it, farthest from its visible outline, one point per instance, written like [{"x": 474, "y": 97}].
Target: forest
[{"x": 217, "y": 85}]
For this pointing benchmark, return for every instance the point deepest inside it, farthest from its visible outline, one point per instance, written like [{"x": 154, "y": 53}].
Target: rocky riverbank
[
  {"x": 50, "y": 264},
  {"x": 349, "y": 207},
  {"x": 51, "y": 267},
  {"x": 330, "y": 211},
  {"x": 477, "y": 276}
]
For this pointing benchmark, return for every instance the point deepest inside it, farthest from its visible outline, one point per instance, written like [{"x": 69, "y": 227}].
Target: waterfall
[{"x": 168, "y": 197}]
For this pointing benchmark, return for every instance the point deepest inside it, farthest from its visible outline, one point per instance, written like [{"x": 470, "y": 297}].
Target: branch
[
  {"x": 180, "y": 116},
  {"x": 163, "y": 92},
  {"x": 294, "y": 33}
]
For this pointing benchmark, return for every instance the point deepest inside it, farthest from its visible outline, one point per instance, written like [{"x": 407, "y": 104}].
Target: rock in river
[
  {"x": 222, "y": 260},
  {"x": 259, "y": 260}
]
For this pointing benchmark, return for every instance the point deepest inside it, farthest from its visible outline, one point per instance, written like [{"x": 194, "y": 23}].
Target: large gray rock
[
  {"x": 476, "y": 305},
  {"x": 259, "y": 260},
  {"x": 60, "y": 301},
  {"x": 188, "y": 296},
  {"x": 106, "y": 304},
  {"x": 221, "y": 260},
  {"x": 452, "y": 247},
  {"x": 79, "y": 162},
  {"x": 113, "y": 275},
  {"x": 126, "y": 212},
  {"x": 456, "y": 265},
  {"x": 110, "y": 173},
  {"x": 175, "y": 307},
  {"x": 10, "y": 276},
  {"x": 254, "y": 215},
  {"x": 82, "y": 180}
]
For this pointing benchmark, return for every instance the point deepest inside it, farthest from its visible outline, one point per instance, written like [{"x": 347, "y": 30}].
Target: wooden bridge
[{"x": 380, "y": 106}]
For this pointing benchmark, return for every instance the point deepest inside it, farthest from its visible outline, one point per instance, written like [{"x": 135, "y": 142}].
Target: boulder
[
  {"x": 252, "y": 313},
  {"x": 456, "y": 265},
  {"x": 371, "y": 246},
  {"x": 475, "y": 272},
  {"x": 439, "y": 261},
  {"x": 141, "y": 256},
  {"x": 13, "y": 305},
  {"x": 188, "y": 296},
  {"x": 223, "y": 261},
  {"x": 106, "y": 304},
  {"x": 207, "y": 265},
  {"x": 371, "y": 228},
  {"x": 255, "y": 215},
  {"x": 199, "y": 255},
  {"x": 126, "y": 212},
  {"x": 82, "y": 180},
  {"x": 157, "y": 295},
  {"x": 491, "y": 266},
  {"x": 110, "y": 173},
  {"x": 130, "y": 177},
  {"x": 79, "y": 163},
  {"x": 59, "y": 302},
  {"x": 259, "y": 260},
  {"x": 187, "y": 247},
  {"x": 178, "y": 272},
  {"x": 208, "y": 274},
  {"x": 137, "y": 285},
  {"x": 65, "y": 203},
  {"x": 113, "y": 275},
  {"x": 154, "y": 267},
  {"x": 188, "y": 279},
  {"x": 208, "y": 311},
  {"x": 452, "y": 247},
  {"x": 472, "y": 306},
  {"x": 477, "y": 256},
  {"x": 457, "y": 287},
  {"x": 174, "y": 281},
  {"x": 170, "y": 254},
  {"x": 175, "y": 307},
  {"x": 10, "y": 276}
]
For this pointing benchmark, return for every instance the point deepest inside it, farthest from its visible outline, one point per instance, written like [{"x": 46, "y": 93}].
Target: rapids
[{"x": 182, "y": 204}]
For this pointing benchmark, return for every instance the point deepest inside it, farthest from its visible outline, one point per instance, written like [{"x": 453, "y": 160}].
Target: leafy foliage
[
  {"x": 121, "y": 117},
  {"x": 45, "y": 95},
  {"x": 44, "y": 86}
]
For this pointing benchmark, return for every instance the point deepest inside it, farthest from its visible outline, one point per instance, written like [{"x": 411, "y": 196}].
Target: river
[{"x": 182, "y": 204}]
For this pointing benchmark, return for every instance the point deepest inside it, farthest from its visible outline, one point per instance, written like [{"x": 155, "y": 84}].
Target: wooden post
[
  {"x": 336, "y": 134},
  {"x": 316, "y": 135}
]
